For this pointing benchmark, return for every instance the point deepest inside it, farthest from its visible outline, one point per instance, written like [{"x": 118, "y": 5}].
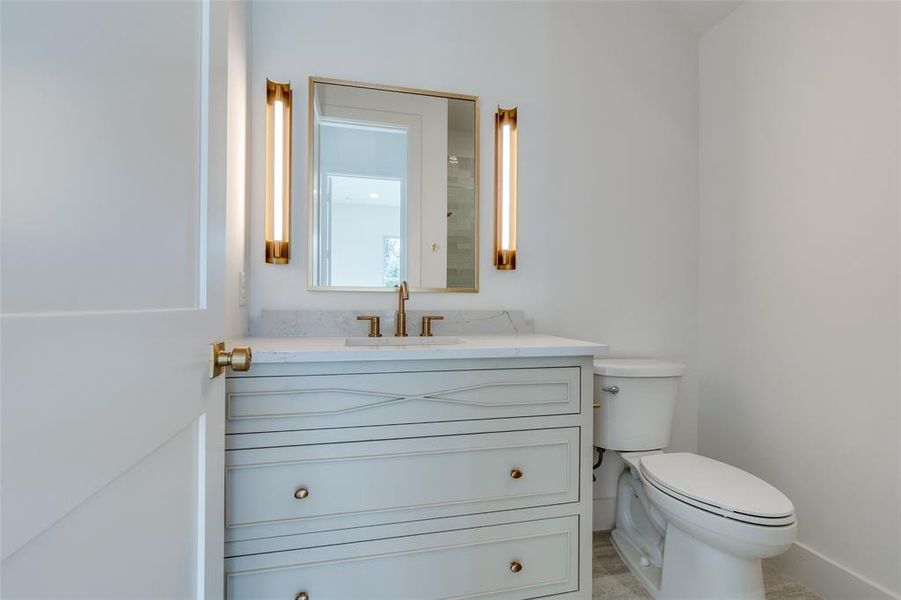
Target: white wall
[
  {"x": 607, "y": 96},
  {"x": 237, "y": 169},
  {"x": 799, "y": 302}
]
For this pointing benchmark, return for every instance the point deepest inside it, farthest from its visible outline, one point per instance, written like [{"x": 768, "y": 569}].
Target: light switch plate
[{"x": 242, "y": 289}]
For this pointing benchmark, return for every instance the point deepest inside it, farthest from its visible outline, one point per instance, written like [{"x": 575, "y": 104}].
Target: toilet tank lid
[{"x": 638, "y": 367}]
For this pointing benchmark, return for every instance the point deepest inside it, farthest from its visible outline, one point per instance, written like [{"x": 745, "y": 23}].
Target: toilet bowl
[{"x": 688, "y": 527}]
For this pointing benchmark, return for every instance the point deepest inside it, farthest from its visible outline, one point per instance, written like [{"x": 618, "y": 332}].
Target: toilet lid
[
  {"x": 717, "y": 485},
  {"x": 638, "y": 367}
]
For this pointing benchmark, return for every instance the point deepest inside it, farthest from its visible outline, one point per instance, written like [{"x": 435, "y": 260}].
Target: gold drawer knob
[
  {"x": 515, "y": 473},
  {"x": 300, "y": 495},
  {"x": 302, "y": 596},
  {"x": 515, "y": 567}
]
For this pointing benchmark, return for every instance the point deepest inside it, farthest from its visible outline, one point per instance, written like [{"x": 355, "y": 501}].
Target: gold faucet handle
[
  {"x": 427, "y": 324},
  {"x": 374, "y": 324}
]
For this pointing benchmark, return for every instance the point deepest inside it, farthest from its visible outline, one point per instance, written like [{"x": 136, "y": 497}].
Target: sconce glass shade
[
  {"x": 505, "y": 189},
  {"x": 278, "y": 172}
]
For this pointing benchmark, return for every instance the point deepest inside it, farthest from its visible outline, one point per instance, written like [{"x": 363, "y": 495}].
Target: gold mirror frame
[{"x": 310, "y": 198}]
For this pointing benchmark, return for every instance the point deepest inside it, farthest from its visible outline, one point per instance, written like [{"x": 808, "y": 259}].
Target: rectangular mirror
[{"x": 392, "y": 188}]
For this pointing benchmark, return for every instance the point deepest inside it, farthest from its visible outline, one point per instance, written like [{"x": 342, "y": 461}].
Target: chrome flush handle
[{"x": 613, "y": 389}]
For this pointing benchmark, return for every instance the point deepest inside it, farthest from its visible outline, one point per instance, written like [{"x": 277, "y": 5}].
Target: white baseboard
[
  {"x": 828, "y": 578},
  {"x": 603, "y": 513}
]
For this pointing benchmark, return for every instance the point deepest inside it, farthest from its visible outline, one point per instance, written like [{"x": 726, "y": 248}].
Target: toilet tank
[{"x": 637, "y": 398}]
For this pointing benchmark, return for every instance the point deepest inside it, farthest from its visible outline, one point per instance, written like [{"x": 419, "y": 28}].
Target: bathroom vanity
[{"x": 410, "y": 472}]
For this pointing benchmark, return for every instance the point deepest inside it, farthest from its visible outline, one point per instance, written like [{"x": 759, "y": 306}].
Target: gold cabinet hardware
[
  {"x": 375, "y": 324},
  {"x": 427, "y": 324},
  {"x": 515, "y": 473},
  {"x": 596, "y": 405},
  {"x": 301, "y": 493},
  {"x": 238, "y": 358},
  {"x": 302, "y": 596},
  {"x": 515, "y": 567}
]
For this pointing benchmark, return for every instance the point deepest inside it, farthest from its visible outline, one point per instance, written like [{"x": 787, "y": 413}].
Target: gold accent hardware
[
  {"x": 435, "y": 246},
  {"x": 505, "y": 189},
  {"x": 515, "y": 473},
  {"x": 301, "y": 493},
  {"x": 312, "y": 191},
  {"x": 596, "y": 405},
  {"x": 277, "y": 253},
  {"x": 515, "y": 567},
  {"x": 400, "y": 325},
  {"x": 302, "y": 596},
  {"x": 374, "y": 324},
  {"x": 427, "y": 324},
  {"x": 239, "y": 358},
  {"x": 278, "y": 172}
]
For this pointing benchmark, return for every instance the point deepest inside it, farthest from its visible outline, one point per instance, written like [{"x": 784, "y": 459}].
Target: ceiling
[
  {"x": 699, "y": 15},
  {"x": 370, "y": 191}
]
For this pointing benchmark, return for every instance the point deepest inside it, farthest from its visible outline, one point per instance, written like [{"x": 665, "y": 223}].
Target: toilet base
[
  {"x": 670, "y": 563},
  {"x": 648, "y": 576},
  {"x": 692, "y": 570}
]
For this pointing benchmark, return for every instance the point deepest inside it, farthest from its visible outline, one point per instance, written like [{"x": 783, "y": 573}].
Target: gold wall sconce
[
  {"x": 278, "y": 172},
  {"x": 505, "y": 189}
]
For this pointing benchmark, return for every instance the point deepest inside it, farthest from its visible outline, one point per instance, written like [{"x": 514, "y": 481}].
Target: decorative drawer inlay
[
  {"x": 328, "y": 401},
  {"x": 298, "y": 489},
  {"x": 502, "y": 562}
]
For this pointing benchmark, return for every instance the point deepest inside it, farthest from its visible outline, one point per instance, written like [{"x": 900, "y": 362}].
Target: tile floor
[{"x": 612, "y": 580}]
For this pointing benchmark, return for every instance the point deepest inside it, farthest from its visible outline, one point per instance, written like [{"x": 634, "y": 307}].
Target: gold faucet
[{"x": 400, "y": 318}]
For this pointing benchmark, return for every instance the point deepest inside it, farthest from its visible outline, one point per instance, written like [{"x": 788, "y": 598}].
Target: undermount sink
[{"x": 405, "y": 342}]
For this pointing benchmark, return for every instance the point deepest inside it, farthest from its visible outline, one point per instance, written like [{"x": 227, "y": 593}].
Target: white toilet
[{"x": 688, "y": 527}]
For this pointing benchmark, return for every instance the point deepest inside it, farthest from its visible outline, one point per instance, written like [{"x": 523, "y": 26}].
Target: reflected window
[{"x": 391, "y": 262}]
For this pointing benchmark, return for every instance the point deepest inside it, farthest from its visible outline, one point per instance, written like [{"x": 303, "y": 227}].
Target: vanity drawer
[
  {"x": 367, "y": 483},
  {"x": 471, "y": 563},
  {"x": 256, "y": 404}
]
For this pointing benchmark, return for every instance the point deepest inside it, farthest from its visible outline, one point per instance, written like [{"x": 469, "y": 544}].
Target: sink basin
[{"x": 402, "y": 342}]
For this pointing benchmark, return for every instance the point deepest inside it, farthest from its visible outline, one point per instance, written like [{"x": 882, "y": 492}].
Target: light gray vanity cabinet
[{"x": 410, "y": 480}]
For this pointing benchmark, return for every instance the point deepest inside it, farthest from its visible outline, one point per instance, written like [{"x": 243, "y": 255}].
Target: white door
[{"x": 113, "y": 224}]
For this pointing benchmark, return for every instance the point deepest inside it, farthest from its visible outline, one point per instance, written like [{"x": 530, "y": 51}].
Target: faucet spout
[{"x": 400, "y": 327}]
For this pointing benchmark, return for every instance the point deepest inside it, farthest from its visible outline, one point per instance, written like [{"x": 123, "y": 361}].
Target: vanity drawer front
[
  {"x": 366, "y": 483},
  {"x": 471, "y": 563},
  {"x": 256, "y": 404}
]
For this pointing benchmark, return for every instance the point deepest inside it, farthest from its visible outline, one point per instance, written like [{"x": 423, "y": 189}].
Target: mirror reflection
[{"x": 394, "y": 188}]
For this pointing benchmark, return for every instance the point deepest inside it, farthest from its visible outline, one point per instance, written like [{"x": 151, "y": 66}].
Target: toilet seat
[{"x": 717, "y": 488}]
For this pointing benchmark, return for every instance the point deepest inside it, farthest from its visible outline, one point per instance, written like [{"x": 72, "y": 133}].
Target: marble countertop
[{"x": 329, "y": 349}]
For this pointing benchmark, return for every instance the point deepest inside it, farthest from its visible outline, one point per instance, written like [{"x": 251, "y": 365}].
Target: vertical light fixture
[
  {"x": 278, "y": 172},
  {"x": 505, "y": 189}
]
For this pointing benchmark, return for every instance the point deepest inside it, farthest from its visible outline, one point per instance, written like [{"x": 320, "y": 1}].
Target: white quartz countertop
[{"x": 328, "y": 349}]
